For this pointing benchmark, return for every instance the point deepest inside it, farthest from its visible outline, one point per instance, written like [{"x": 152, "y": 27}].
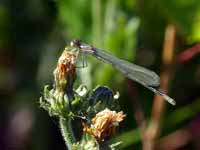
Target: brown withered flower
[
  {"x": 104, "y": 124},
  {"x": 66, "y": 64}
]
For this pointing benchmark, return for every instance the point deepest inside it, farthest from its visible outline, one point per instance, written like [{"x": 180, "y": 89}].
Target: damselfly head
[
  {"x": 85, "y": 48},
  {"x": 75, "y": 43}
]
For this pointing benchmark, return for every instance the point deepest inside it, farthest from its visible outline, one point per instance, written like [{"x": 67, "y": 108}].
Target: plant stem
[
  {"x": 97, "y": 22},
  {"x": 165, "y": 77},
  {"x": 67, "y": 133}
]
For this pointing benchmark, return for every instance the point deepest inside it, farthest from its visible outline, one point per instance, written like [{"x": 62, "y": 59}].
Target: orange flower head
[
  {"x": 66, "y": 65},
  {"x": 104, "y": 124}
]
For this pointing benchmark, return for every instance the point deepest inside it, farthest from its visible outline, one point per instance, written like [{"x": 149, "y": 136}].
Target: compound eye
[
  {"x": 75, "y": 43},
  {"x": 72, "y": 44}
]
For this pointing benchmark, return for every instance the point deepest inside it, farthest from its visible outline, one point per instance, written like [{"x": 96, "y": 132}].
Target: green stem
[
  {"x": 97, "y": 22},
  {"x": 67, "y": 133}
]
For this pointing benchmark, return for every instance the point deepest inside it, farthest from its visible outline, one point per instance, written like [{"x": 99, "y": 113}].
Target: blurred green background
[{"x": 33, "y": 34}]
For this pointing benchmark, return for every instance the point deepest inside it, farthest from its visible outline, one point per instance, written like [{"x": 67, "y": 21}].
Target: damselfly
[{"x": 145, "y": 77}]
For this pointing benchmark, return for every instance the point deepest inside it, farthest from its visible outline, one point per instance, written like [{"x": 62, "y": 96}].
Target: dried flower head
[
  {"x": 57, "y": 101},
  {"x": 104, "y": 124},
  {"x": 66, "y": 65}
]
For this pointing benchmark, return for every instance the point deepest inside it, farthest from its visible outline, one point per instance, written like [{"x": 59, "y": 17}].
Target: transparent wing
[{"x": 130, "y": 70}]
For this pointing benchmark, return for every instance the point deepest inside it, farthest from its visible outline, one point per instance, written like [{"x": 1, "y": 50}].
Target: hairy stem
[{"x": 67, "y": 133}]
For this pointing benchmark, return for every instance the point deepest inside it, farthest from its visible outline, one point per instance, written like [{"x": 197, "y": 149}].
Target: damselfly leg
[{"x": 81, "y": 61}]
